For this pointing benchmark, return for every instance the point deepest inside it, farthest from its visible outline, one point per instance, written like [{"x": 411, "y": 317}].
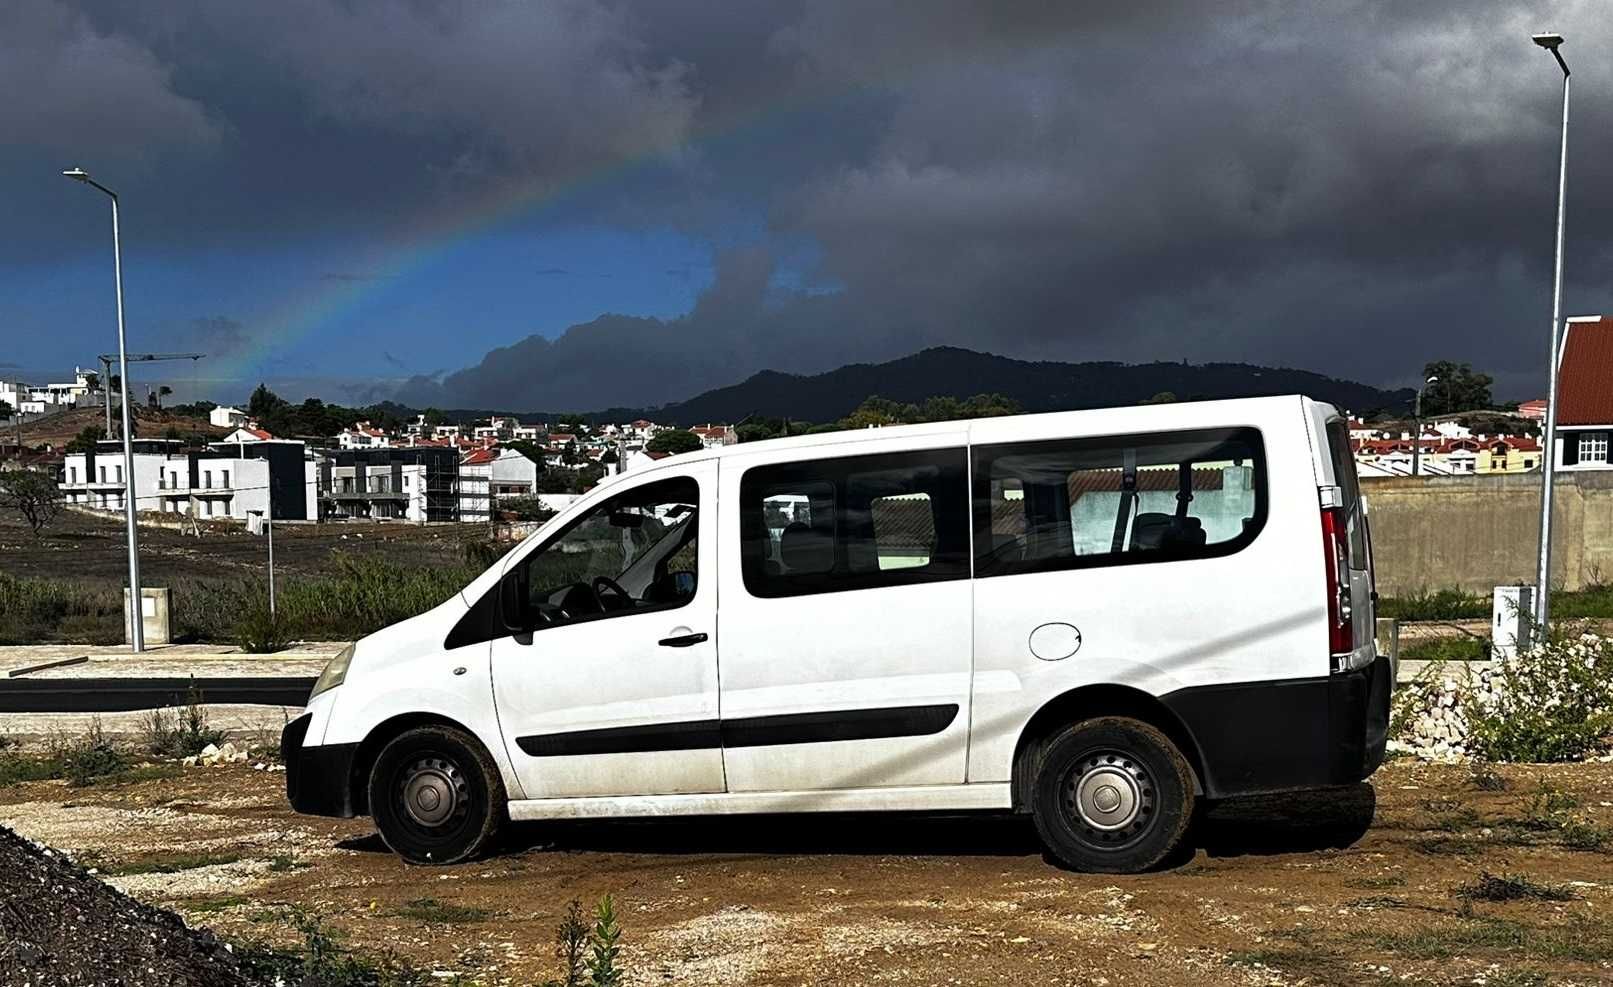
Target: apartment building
[
  {"x": 418, "y": 484},
  {"x": 225, "y": 480}
]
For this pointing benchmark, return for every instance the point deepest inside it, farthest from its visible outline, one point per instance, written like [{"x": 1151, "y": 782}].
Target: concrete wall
[{"x": 1478, "y": 532}]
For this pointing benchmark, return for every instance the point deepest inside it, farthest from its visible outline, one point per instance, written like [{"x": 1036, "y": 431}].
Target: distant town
[{"x": 317, "y": 462}]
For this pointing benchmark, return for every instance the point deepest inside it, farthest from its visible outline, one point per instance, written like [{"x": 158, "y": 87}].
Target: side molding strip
[{"x": 751, "y": 731}]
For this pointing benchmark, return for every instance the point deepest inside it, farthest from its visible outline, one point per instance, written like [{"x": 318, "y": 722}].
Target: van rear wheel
[
  {"x": 1111, "y": 795},
  {"x": 436, "y": 796}
]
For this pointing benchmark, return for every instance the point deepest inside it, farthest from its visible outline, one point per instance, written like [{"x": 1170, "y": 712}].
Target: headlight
[{"x": 335, "y": 672}]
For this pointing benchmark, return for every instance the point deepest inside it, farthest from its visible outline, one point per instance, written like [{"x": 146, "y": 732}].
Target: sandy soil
[{"x": 1349, "y": 887}]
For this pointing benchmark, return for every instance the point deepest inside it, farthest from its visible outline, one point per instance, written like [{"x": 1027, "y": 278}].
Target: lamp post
[
  {"x": 137, "y": 636},
  {"x": 1417, "y": 439},
  {"x": 1552, "y": 42}
]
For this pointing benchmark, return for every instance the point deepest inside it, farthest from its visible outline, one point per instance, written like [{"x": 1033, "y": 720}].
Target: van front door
[{"x": 613, "y": 689}]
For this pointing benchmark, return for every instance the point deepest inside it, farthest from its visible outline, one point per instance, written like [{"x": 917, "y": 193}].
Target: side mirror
[{"x": 514, "y": 607}]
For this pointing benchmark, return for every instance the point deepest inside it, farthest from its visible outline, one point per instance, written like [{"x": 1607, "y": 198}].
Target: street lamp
[
  {"x": 1552, "y": 42},
  {"x": 1417, "y": 439},
  {"x": 137, "y": 636}
]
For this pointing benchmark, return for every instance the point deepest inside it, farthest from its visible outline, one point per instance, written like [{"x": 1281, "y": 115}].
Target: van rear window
[
  {"x": 1338, "y": 448},
  {"x": 1072, "y": 503}
]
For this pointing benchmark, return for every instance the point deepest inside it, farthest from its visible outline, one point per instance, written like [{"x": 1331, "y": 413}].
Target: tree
[
  {"x": 5, "y": 409},
  {"x": 92, "y": 381},
  {"x": 32, "y": 494},
  {"x": 434, "y": 417},
  {"x": 674, "y": 440},
  {"x": 264, "y": 403},
  {"x": 1459, "y": 388},
  {"x": 1163, "y": 397},
  {"x": 163, "y": 391},
  {"x": 86, "y": 438},
  {"x": 754, "y": 432}
]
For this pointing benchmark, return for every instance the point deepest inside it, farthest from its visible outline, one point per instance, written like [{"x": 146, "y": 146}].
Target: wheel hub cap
[
  {"x": 433, "y": 792},
  {"x": 1111, "y": 796}
]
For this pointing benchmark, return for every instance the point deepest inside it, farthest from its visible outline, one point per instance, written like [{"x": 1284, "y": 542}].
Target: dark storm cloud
[{"x": 1349, "y": 187}]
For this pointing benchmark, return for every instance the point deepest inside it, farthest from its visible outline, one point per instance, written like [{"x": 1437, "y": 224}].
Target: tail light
[{"x": 1336, "y": 550}]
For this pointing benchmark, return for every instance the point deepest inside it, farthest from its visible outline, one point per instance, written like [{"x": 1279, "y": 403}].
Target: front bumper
[
  {"x": 319, "y": 780},
  {"x": 1257, "y": 737}
]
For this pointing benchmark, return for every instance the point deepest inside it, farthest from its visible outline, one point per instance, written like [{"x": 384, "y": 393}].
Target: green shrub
[
  {"x": 1555, "y": 702},
  {"x": 1446, "y": 649},
  {"x": 182, "y": 732},
  {"x": 259, "y": 630},
  {"x": 90, "y": 758}
]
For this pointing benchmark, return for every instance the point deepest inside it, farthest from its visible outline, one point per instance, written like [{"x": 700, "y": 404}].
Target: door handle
[{"x": 682, "y": 640}]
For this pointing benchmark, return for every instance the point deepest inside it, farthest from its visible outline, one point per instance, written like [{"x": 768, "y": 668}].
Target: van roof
[{"x": 1130, "y": 418}]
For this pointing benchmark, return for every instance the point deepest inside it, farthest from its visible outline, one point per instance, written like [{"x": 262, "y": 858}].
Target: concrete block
[{"x": 154, "y": 609}]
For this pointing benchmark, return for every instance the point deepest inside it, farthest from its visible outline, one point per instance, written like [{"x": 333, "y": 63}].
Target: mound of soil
[{"x": 60, "y": 925}]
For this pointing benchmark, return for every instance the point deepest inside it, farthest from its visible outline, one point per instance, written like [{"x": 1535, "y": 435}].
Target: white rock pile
[
  {"x": 1435, "y": 710},
  {"x": 214, "y": 754}
]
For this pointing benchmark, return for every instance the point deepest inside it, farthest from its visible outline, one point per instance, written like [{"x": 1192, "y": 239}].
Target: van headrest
[{"x": 805, "y": 550}]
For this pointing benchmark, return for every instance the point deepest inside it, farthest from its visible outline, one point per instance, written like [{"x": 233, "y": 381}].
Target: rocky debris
[
  {"x": 60, "y": 925},
  {"x": 213, "y": 754},
  {"x": 1435, "y": 712}
]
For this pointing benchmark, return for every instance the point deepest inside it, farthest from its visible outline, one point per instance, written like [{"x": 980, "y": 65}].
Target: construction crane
[{"x": 106, "y": 373}]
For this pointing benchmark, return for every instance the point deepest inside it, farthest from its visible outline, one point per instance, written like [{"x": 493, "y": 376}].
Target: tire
[
  {"x": 1112, "y": 795},
  {"x": 436, "y": 796}
]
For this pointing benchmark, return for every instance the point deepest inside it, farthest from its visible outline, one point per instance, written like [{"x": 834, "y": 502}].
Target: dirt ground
[
  {"x": 88, "y": 547},
  {"x": 1355, "y": 886}
]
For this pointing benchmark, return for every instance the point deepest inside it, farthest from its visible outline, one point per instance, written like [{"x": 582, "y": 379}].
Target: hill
[
  {"x": 1037, "y": 386},
  {"x": 57, "y": 429}
]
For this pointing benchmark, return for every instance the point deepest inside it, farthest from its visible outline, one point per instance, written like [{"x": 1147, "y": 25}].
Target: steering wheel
[{"x": 607, "y": 583}]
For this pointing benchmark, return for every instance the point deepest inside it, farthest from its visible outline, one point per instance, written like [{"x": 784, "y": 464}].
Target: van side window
[
  {"x": 858, "y": 522},
  {"x": 1071, "y": 503}
]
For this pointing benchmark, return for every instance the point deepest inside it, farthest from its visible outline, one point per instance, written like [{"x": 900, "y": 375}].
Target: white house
[
  {"x": 712, "y": 436},
  {"x": 248, "y": 433},
  {"x": 226, "y": 417},
  {"x": 503, "y": 472},
  {"x": 363, "y": 435}
]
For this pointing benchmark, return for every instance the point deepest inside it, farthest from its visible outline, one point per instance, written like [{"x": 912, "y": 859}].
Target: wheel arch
[
  {"x": 358, "y": 782},
  {"x": 1085, "y": 702}
]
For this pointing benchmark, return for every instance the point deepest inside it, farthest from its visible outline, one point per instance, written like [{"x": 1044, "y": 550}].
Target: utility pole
[
  {"x": 1417, "y": 439},
  {"x": 1551, "y": 42},
  {"x": 268, "y": 523},
  {"x": 137, "y": 631}
]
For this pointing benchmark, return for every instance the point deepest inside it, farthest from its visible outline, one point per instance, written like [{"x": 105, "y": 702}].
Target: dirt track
[{"x": 1286, "y": 892}]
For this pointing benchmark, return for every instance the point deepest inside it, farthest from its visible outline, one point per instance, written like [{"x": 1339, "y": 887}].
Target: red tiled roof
[
  {"x": 480, "y": 456},
  {"x": 1585, "y": 387},
  {"x": 260, "y": 433}
]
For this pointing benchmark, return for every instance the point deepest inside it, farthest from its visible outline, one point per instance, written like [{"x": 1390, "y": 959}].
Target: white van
[{"x": 1097, "y": 618}]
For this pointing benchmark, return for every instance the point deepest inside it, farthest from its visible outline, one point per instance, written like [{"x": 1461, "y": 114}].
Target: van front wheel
[
  {"x": 1112, "y": 795},
  {"x": 436, "y": 796}
]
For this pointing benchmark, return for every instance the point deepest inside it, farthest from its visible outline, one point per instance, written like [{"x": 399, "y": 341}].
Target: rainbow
[{"x": 408, "y": 254}]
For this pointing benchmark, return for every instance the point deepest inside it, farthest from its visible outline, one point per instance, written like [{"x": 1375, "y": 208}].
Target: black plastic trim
[
  {"x": 753, "y": 731},
  {"x": 318, "y": 779},
  {"x": 1287, "y": 734}
]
